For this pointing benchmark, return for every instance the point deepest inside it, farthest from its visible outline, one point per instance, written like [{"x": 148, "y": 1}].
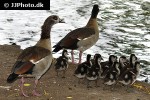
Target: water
[{"x": 124, "y": 27}]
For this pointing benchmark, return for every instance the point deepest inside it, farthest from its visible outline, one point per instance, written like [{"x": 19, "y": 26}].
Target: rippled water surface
[{"x": 124, "y": 27}]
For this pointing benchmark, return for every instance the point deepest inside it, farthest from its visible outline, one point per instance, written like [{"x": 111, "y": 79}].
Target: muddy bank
[{"x": 57, "y": 88}]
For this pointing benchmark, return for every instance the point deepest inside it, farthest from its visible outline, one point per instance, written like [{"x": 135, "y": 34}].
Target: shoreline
[{"x": 57, "y": 88}]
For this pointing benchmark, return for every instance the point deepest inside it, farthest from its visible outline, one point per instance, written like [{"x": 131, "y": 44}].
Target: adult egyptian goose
[
  {"x": 82, "y": 38},
  {"x": 62, "y": 63},
  {"x": 81, "y": 70},
  {"x": 93, "y": 71},
  {"x": 107, "y": 64},
  {"x": 35, "y": 60},
  {"x": 129, "y": 76}
]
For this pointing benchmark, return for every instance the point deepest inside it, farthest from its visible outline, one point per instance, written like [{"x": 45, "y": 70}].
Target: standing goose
[
  {"x": 81, "y": 70},
  {"x": 62, "y": 63},
  {"x": 82, "y": 38},
  {"x": 35, "y": 60}
]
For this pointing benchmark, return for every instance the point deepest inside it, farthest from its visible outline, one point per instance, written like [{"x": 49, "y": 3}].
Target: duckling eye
[{"x": 55, "y": 17}]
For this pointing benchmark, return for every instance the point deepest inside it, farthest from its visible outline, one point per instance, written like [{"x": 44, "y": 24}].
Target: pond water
[{"x": 124, "y": 27}]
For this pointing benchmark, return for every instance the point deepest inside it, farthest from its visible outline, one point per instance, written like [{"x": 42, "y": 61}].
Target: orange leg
[
  {"x": 80, "y": 57},
  {"x": 72, "y": 56}
]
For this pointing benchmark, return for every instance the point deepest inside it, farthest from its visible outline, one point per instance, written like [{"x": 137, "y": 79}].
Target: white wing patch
[
  {"x": 79, "y": 39},
  {"x": 36, "y": 61}
]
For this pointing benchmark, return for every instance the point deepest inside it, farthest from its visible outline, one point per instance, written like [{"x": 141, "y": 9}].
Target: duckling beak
[{"x": 61, "y": 21}]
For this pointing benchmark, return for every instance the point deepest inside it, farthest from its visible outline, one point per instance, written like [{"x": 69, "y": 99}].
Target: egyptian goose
[
  {"x": 62, "y": 63},
  {"x": 107, "y": 64},
  {"x": 129, "y": 76},
  {"x": 81, "y": 70},
  {"x": 82, "y": 38},
  {"x": 93, "y": 71},
  {"x": 35, "y": 60}
]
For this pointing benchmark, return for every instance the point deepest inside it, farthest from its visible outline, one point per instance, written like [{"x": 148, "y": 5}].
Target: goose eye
[{"x": 55, "y": 17}]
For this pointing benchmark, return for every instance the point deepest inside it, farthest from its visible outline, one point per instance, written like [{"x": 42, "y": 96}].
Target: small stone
[
  {"x": 70, "y": 88},
  {"x": 54, "y": 82},
  {"x": 13, "y": 44},
  {"x": 69, "y": 97}
]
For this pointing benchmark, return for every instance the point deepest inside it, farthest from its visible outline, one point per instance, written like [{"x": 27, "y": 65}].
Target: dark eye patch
[{"x": 55, "y": 17}]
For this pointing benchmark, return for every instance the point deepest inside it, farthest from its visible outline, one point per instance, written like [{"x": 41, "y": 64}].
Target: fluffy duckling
[
  {"x": 62, "y": 63},
  {"x": 107, "y": 64},
  {"x": 123, "y": 63},
  {"x": 129, "y": 76},
  {"x": 81, "y": 70},
  {"x": 112, "y": 74},
  {"x": 132, "y": 60},
  {"x": 93, "y": 72},
  {"x": 127, "y": 64}
]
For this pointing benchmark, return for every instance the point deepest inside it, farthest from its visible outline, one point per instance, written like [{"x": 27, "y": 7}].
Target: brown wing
[
  {"x": 29, "y": 55},
  {"x": 74, "y": 36},
  {"x": 34, "y": 53},
  {"x": 22, "y": 67}
]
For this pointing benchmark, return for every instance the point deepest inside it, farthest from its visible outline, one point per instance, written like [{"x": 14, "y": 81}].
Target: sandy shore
[{"x": 57, "y": 88}]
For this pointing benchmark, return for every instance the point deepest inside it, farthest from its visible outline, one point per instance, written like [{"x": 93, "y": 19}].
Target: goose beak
[{"x": 61, "y": 21}]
